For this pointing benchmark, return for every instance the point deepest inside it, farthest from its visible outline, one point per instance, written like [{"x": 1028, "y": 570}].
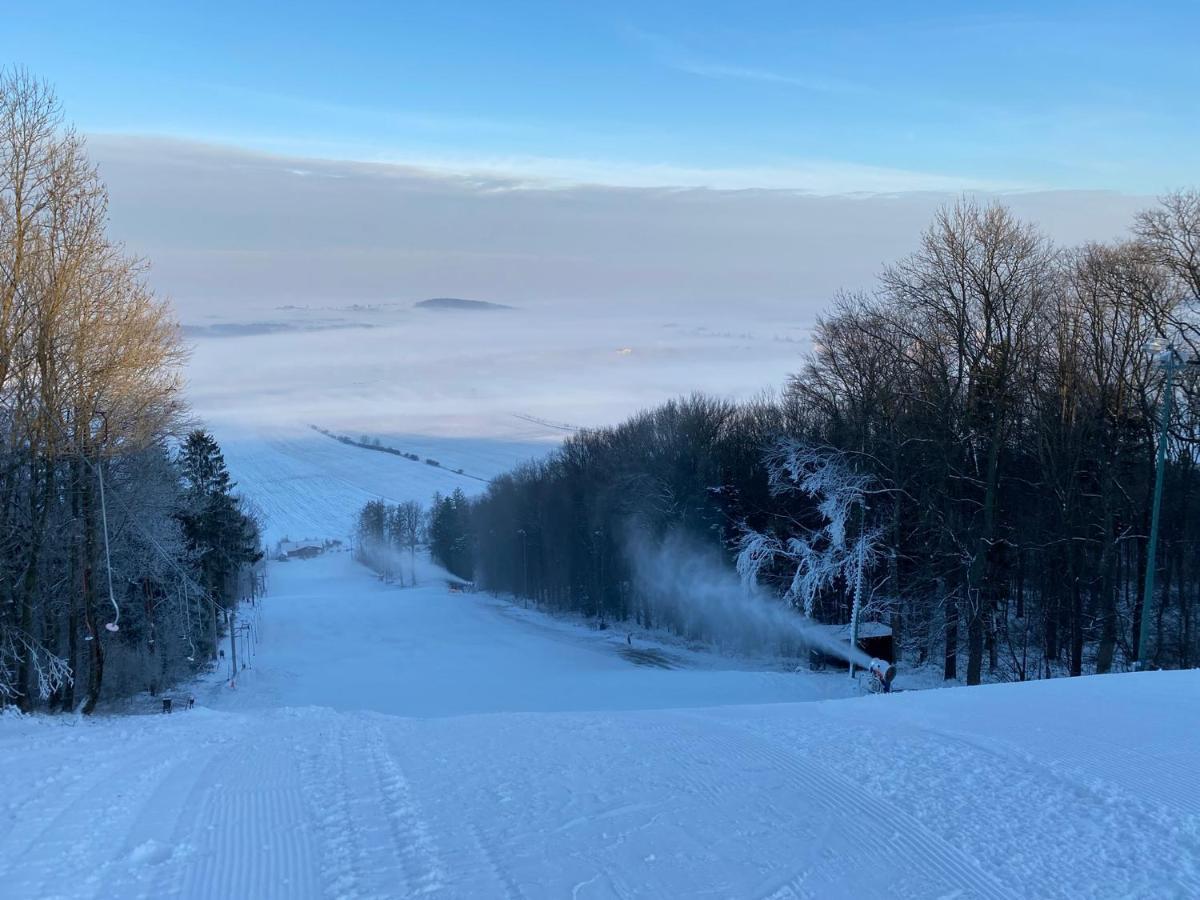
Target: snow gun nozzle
[{"x": 884, "y": 671}]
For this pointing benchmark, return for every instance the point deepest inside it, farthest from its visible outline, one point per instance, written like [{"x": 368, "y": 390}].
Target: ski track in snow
[
  {"x": 247, "y": 827},
  {"x": 391, "y": 743},
  {"x": 917, "y": 863},
  {"x": 375, "y": 842}
]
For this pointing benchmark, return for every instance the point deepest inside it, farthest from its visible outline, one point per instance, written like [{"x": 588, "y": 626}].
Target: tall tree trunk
[
  {"x": 90, "y": 617},
  {"x": 979, "y": 592},
  {"x": 1020, "y": 585},
  {"x": 950, "y": 667},
  {"x": 75, "y": 613},
  {"x": 1108, "y": 598},
  {"x": 37, "y": 516},
  {"x": 1163, "y": 600},
  {"x": 1138, "y": 598},
  {"x": 991, "y": 638},
  {"x": 1076, "y": 627},
  {"x": 1051, "y": 601},
  {"x": 975, "y": 638},
  {"x": 1183, "y": 612},
  {"x": 151, "y": 636}
]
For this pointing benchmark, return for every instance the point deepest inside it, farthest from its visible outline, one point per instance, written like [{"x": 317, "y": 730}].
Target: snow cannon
[{"x": 884, "y": 671}]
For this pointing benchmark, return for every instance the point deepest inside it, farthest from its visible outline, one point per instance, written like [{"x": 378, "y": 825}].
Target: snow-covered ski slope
[
  {"x": 420, "y": 743},
  {"x": 307, "y": 485}
]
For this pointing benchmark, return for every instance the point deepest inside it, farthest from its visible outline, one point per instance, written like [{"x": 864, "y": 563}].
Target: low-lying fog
[{"x": 296, "y": 282}]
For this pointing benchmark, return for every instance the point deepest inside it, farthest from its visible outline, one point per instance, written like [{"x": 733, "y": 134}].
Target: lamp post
[{"x": 1170, "y": 361}]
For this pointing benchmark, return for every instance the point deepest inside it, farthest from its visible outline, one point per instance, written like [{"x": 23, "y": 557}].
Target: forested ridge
[
  {"x": 123, "y": 547},
  {"x": 1000, "y": 396}
]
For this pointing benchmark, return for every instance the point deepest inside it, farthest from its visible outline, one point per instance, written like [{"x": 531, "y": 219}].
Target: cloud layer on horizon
[
  {"x": 226, "y": 228},
  {"x": 296, "y": 280}
]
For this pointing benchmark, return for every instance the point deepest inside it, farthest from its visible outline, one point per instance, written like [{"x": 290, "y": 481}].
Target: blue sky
[{"x": 830, "y": 97}]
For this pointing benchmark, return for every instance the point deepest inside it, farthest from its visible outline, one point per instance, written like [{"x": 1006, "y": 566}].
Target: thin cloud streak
[
  {"x": 514, "y": 172},
  {"x": 742, "y": 73},
  {"x": 673, "y": 55}
]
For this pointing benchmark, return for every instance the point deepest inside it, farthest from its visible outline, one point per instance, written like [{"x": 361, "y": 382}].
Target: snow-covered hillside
[
  {"x": 419, "y": 742},
  {"x": 308, "y": 485}
]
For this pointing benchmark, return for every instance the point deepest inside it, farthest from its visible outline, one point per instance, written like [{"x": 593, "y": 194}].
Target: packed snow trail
[
  {"x": 337, "y": 637},
  {"x": 419, "y": 743}
]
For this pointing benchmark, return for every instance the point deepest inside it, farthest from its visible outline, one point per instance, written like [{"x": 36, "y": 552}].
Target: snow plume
[
  {"x": 693, "y": 590},
  {"x": 398, "y": 564}
]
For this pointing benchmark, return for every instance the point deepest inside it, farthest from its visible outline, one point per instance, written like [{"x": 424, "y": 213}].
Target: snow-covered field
[
  {"x": 418, "y": 742},
  {"x": 308, "y": 485}
]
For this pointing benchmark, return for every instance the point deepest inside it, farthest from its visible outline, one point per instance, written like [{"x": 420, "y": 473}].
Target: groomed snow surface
[{"x": 421, "y": 743}]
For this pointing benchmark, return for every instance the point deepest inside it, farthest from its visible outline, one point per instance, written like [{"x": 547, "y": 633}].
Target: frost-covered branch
[
  {"x": 50, "y": 672},
  {"x": 823, "y": 557}
]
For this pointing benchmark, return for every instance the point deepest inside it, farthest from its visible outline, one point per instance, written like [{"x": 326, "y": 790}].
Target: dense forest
[
  {"x": 123, "y": 548},
  {"x": 979, "y": 433}
]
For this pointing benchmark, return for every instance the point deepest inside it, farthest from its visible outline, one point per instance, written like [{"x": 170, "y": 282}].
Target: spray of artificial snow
[
  {"x": 406, "y": 568},
  {"x": 695, "y": 591}
]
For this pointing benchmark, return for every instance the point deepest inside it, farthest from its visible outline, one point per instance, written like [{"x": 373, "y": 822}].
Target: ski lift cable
[
  {"x": 133, "y": 518},
  {"x": 114, "y": 625},
  {"x": 159, "y": 547},
  {"x": 187, "y": 631}
]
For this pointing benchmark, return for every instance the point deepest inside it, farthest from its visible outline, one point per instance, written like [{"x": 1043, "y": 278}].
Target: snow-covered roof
[{"x": 290, "y": 546}]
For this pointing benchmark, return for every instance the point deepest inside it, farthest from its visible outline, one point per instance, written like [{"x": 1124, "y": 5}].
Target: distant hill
[{"x": 442, "y": 303}]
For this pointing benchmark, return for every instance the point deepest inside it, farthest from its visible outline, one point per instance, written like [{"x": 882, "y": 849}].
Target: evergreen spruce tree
[
  {"x": 451, "y": 540},
  {"x": 221, "y": 537}
]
